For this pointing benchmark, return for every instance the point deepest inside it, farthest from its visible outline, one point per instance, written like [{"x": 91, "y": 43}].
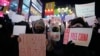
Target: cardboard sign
[
  {"x": 85, "y": 10},
  {"x": 32, "y": 45},
  {"x": 80, "y": 36},
  {"x": 19, "y": 29}
]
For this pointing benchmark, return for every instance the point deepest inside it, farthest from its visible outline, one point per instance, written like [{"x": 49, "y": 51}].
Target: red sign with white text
[{"x": 80, "y": 36}]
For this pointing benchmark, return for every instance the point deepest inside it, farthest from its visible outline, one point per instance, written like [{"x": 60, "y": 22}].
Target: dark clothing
[
  {"x": 28, "y": 30},
  {"x": 15, "y": 46},
  {"x": 94, "y": 44},
  {"x": 5, "y": 36}
]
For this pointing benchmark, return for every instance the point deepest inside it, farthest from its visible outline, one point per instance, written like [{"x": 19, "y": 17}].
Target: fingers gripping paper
[{"x": 32, "y": 45}]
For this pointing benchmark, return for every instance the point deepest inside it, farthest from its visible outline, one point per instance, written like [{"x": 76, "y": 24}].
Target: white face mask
[
  {"x": 1, "y": 26},
  {"x": 55, "y": 36}
]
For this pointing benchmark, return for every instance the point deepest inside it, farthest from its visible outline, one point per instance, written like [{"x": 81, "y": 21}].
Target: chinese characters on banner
[
  {"x": 80, "y": 36},
  {"x": 32, "y": 45}
]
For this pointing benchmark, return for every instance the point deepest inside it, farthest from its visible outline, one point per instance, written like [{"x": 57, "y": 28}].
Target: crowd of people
[{"x": 9, "y": 42}]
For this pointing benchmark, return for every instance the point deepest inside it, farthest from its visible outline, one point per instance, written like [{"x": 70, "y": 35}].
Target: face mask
[
  {"x": 55, "y": 36},
  {"x": 39, "y": 30}
]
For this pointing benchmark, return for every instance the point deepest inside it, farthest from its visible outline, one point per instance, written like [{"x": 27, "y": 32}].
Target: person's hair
[
  {"x": 39, "y": 26},
  {"x": 78, "y": 20}
]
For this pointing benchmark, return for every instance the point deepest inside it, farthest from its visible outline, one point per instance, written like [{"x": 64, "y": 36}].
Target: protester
[
  {"x": 55, "y": 45},
  {"x": 15, "y": 43},
  {"x": 5, "y": 34},
  {"x": 38, "y": 26},
  {"x": 75, "y": 50}
]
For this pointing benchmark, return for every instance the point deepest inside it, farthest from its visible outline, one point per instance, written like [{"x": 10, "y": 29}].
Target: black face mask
[
  {"x": 55, "y": 29},
  {"x": 39, "y": 30}
]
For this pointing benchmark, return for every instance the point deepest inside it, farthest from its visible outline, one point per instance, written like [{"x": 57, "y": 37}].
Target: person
[
  {"x": 5, "y": 34},
  {"x": 74, "y": 50},
  {"x": 94, "y": 44},
  {"x": 15, "y": 38},
  {"x": 2, "y": 36},
  {"x": 38, "y": 27},
  {"x": 78, "y": 22},
  {"x": 55, "y": 46}
]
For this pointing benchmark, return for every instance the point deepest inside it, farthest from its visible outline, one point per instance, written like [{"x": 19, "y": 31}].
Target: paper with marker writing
[
  {"x": 32, "y": 45},
  {"x": 80, "y": 36}
]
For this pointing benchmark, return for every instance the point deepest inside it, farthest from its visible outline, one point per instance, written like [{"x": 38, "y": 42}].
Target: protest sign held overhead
[
  {"x": 17, "y": 18},
  {"x": 85, "y": 10}
]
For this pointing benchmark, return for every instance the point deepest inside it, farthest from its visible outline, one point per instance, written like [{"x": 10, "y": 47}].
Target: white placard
[
  {"x": 84, "y": 10},
  {"x": 69, "y": 17},
  {"x": 17, "y": 18},
  {"x": 80, "y": 36},
  {"x": 34, "y": 18},
  {"x": 19, "y": 29},
  {"x": 11, "y": 13},
  {"x": 90, "y": 20}
]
